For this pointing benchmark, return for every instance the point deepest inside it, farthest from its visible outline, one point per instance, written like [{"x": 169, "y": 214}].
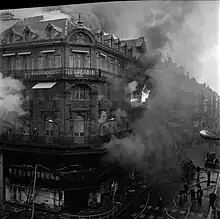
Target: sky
[{"x": 186, "y": 30}]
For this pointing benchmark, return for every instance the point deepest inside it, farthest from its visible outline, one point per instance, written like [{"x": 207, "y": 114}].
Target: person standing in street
[
  {"x": 198, "y": 172},
  {"x": 186, "y": 188},
  {"x": 199, "y": 196},
  {"x": 212, "y": 199},
  {"x": 193, "y": 195},
  {"x": 160, "y": 205},
  {"x": 209, "y": 178}
]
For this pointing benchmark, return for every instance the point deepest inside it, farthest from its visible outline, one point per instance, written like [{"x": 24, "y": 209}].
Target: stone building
[{"x": 67, "y": 70}]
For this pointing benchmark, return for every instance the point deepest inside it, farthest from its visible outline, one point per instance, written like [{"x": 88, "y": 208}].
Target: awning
[
  {"x": 8, "y": 54},
  {"x": 46, "y": 85},
  {"x": 48, "y": 51},
  {"x": 80, "y": 51},
  {"x": 24, "y": 53},
  {"x": 103, "y": 55}
]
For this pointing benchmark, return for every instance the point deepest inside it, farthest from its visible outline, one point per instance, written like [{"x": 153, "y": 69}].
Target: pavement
[
  {"x": 147, "y": 208},
  {"x": 175, "y": 211}
]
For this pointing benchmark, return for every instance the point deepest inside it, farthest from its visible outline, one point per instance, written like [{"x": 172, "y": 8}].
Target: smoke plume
[
  {"x": 186, "y": 30},
  {"x": 11, "y": 101}
]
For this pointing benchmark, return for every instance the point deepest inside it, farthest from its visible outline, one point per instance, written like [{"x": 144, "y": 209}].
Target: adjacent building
[{"x": 54, "y": 152}]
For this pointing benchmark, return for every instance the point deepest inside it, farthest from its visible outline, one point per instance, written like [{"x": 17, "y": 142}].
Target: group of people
[{"x": 195, "y": 195}]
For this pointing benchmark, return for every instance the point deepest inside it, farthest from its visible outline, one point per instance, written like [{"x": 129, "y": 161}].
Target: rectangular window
[
  {"x": 18, "y": 63},
  {"x": 81, "y": 93},
  {"x": 48, "y": 61},
  {"x": 70, "y": 61},
  {"x": 103, "y": 63},
  {"x": 40, "y": 62},
  {"x": 57, "y": 61},
  {"x": 79, "y": 60},
  {"x": 111, "y": 65},
  {"x": 25, "y": 63},
  {"x": 78, "y": 128},
  {"x": 87, "y": 60},
  {"x": 9, "y": 63},
  {"x": 33, "y": 62}
]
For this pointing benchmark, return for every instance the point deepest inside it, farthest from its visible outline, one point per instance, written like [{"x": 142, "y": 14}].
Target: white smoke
[{"x": 11, "y": 101}]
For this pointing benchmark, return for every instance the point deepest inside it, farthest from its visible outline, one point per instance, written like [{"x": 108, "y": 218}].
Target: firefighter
[
  {"x": 212, "y": 199},
  {"x": 199, "y": 196},
  {"x": 160, "y": 205},
  {"x": 198, "y": 173},
  {"x": 186, "y": 188},
  {"x": 182, "y": 196},
  {"x": 193, "y": 195},
  {"x": 209, "y": 178}
]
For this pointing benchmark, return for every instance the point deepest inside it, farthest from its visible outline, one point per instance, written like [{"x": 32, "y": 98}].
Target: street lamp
[
  {"x": 208, "y": 135},
  {"x": 108, "y": 120},
  {"x": 52, "y": 121}
]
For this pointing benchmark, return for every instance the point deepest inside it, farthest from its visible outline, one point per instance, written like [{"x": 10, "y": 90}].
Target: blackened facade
[{"x": 67, "y": 70}]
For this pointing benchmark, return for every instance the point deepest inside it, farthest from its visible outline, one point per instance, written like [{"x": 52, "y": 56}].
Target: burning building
[{"x": 52, "y": 155}]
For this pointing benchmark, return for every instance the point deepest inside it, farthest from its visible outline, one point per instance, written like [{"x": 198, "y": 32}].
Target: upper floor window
[
  {"x": 18, "y": 63},
  {"x": 27, "y": 35},
  {"x": 57, "y": 61},
  {"x": 40, "y": 62},
  {"x": 80, "y": 93},
  {"x": 49, "y": 32},
  {"x": 81, "y": 59}
]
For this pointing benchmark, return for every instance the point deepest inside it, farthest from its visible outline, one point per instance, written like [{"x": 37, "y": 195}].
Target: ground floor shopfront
[{"x": 55, "y": 183}]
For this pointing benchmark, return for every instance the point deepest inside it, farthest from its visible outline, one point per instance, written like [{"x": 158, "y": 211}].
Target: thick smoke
[
  {"x": 11, "y": 101},
  {"x": 186, "y": 30}
]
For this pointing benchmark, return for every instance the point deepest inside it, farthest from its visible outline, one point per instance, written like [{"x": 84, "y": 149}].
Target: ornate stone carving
[{"x": 80, "y": 38}]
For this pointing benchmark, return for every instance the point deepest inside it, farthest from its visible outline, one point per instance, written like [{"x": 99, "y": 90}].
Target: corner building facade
[{"x": 67, "y": 70}]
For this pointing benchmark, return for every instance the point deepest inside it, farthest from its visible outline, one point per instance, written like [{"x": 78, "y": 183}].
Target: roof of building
[
  {"x": 62, "y": 26},
  {"x": 133, "y": 42}
]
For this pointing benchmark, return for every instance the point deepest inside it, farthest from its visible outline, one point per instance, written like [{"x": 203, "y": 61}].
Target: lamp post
[
  {"x": 209, "y": 135},
  {"x": 108, "y": 120},
  {"x": 57, "y": 124}
]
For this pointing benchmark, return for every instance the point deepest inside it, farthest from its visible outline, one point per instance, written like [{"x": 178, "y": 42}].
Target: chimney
[{"x": 7, "y": 20}]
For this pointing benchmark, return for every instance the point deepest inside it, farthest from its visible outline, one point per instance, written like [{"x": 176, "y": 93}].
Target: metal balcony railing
[
  {"x": 60, "y": 73},
  {"x": 59, "y": 141},
  {"x": 106, "y": 215}
]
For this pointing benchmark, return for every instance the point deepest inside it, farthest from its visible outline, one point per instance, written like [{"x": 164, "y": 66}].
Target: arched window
[{"x": 80, "y": 93}]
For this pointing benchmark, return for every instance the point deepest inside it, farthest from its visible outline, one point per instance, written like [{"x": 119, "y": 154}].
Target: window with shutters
[{"x": 57, "y": 61}]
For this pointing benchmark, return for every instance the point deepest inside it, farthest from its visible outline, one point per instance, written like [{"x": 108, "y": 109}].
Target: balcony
[
  {"x": 62, "y": 143},
  {"x": 60, "y": 73}
]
